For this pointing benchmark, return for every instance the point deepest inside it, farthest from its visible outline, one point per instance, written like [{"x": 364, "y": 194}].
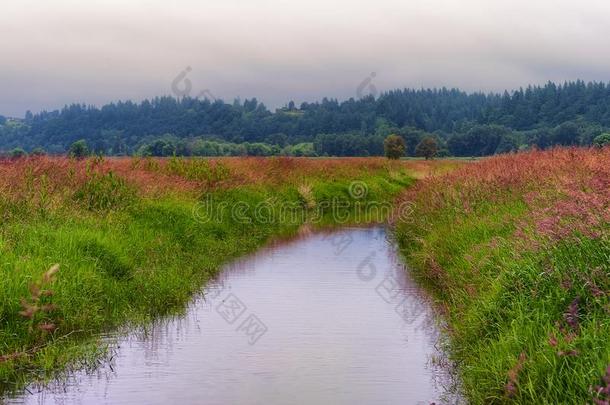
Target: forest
[{"x": 463, "y": 124}]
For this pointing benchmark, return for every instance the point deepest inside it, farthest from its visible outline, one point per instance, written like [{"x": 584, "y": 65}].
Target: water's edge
[{"x": 283, "y": 323}]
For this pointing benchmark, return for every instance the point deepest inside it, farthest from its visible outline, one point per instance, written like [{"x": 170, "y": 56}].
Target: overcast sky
[{"x": 63, "y": 51}]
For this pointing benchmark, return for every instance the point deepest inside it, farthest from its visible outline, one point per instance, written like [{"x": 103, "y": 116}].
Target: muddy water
[{"x": 328, "y": 318}]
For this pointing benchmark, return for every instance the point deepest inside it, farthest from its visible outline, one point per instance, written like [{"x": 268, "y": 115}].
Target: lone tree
[
  {"x": 394, "y": 147},
  {"x": 427, "y": 148},
  {"x": 79, "y": 149}
]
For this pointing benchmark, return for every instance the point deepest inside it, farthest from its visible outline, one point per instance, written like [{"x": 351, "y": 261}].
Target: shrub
[{"x": 79, "y": 150}]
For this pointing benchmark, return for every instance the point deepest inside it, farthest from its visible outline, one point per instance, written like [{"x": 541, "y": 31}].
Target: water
[{"x": 328, "y": 318}]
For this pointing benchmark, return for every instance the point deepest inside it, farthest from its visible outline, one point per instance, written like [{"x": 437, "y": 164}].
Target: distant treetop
[{"x": 573, "y": 113}]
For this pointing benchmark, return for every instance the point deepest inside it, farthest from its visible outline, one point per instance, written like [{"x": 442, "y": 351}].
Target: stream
[{"x": 330, "y": 317}]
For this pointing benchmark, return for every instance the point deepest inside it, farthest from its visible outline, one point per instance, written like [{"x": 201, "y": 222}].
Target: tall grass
[
  {"x": 516, "y": 249},
  {"x": 129, "y": 243}
]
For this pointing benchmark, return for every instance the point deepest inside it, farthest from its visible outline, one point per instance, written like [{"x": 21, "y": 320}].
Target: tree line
[{"x": 461, "y": 124}]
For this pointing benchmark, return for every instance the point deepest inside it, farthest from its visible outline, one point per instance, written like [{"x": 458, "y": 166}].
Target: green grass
[
  {"x": 502, "y": 299},
  {"x": 125, "y": 260}
]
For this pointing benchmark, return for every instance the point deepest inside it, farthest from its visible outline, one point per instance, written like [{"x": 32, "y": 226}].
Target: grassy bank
[
  {"x": 135, "y": 239},
  {"x": 516, "y": 250}
]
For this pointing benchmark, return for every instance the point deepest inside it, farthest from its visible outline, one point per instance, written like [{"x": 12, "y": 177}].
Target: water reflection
[{"x": 328, "y": 318}]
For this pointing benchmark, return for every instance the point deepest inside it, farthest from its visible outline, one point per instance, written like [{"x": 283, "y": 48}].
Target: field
[
  {"x": 516, "y": 250},
  {"x": 91, "y": 245}
]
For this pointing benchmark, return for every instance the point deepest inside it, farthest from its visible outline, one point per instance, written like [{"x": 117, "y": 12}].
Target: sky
[{"x": 59, "y": 52}]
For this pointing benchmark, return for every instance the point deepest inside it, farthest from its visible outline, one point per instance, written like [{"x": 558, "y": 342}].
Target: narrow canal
[{"x": 327, "y": 318}]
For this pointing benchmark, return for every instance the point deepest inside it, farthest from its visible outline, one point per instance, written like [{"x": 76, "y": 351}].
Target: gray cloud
[{"x": 98, "y": 51}]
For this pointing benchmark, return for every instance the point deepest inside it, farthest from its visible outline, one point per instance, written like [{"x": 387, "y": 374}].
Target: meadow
[
  {"x": 89, "y": 246},
  {"x": 516, "y": 251}
]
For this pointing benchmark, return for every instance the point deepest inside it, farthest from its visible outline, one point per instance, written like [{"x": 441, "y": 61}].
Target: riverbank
[
  {"x": 516, "y": 250},
  {"x": 134, "y": 239},
  {"x": 318, "y": 319}
]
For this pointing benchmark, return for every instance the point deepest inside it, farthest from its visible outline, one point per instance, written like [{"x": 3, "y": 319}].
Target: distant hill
[{"x": 464, "y": 124}]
